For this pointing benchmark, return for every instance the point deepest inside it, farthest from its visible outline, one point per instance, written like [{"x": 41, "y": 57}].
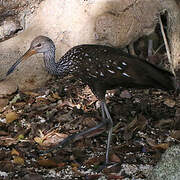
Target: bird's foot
[{"x": 106, "y": 165}]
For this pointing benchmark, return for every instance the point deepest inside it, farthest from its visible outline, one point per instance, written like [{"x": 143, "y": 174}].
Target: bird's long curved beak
[{"x": 28, "y": 53}]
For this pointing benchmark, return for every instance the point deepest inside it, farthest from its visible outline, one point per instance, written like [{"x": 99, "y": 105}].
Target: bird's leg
[{"x": 108, "y": 121}]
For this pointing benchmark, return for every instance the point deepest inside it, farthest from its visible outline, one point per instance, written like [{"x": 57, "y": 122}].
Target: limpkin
[{"x": 101, "y": 68}]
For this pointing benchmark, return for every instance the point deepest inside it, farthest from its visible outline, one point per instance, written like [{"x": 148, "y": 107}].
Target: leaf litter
[{"x": 145, "y": 125}]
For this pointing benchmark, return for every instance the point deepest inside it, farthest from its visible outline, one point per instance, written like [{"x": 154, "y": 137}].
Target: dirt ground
[{"x": 145, "y": 125}]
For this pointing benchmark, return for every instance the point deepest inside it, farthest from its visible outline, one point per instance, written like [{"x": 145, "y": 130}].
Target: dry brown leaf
[
  {"x": 55, "y": 95},
  {"x": 161, "y": 146},
  {"x": 73, "y": 131},
  {"x": 75, "y": 165},
  {"x": 164, "y": 123},
  {"x": 150, "y": 141},
  {"x": 11, "y": 116},
  {"x": 7, "y": 141},
  {"x": 31, "y": 101},
  {"x": 51, "y": 138},
  {"x": 88, "y": 95},
  {"x": 89, "y": 122},
  {"x": 66, "y": 117},
  {"x": 170, "y": 102},
  {"x": 41, "y": 99},
  {"x": 60, "y": 165},
  {"x": 18, "y": 160},
  {"x": 20, "y": 104},
  {"x": 94, "y": 161},
  {"x": 51, "y": 99},
  {"x": 14, "y": 152},
  {"x": 113, "y": 176},
  {"x": 76, "y": 171},
  {"x": 33, "y": 94},
  {"x": 54, "y": 139},
  {"x": 139, "y": 123},
  {"x": 48, "y": 163},
  {"x": 93, "y": 176},
  {"x": 3, "y": 133},
  {"x": 115, "y": 158},
  {"x": 65, "y": 103},
  {"x": 175, "y": 134},
  {"x": 39, "y": 140}
]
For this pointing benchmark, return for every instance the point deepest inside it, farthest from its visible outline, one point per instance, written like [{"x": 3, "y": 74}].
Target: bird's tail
[{"x": 163, "y": 79}]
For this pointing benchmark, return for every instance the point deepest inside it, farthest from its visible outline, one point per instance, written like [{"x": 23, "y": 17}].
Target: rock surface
[
  {"x": 169, "y": 166},
  {"x": 3, "y": 102},
  {"x": 69, "y": 23},
  {"x": 7, "y": 88}
]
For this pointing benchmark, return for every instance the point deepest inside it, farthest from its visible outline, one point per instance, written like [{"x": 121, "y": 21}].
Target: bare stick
[{"x": 166, "y": 46}]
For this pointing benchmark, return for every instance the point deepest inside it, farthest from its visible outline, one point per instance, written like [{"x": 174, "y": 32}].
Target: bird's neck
[
  {"x": 62, "y": 68},
  {"x": 51, "y": 66},
  {"x": 49, "y": 61}
]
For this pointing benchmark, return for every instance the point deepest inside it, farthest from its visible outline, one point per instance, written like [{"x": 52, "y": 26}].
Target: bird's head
[{"x": 40, "y": 44}]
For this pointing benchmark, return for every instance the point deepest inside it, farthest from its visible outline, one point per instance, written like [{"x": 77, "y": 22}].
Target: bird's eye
[{"x": 38, "y": 45}]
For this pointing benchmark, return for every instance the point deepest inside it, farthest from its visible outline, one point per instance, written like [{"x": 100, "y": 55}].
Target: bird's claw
[{"x": 106, "y": 165}]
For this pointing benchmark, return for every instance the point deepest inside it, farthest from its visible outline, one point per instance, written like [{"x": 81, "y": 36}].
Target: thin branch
[{"x": 166, "y": 46}]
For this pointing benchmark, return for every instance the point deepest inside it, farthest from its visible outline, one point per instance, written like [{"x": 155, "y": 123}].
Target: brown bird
[{"x": 101, "y": 68}]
